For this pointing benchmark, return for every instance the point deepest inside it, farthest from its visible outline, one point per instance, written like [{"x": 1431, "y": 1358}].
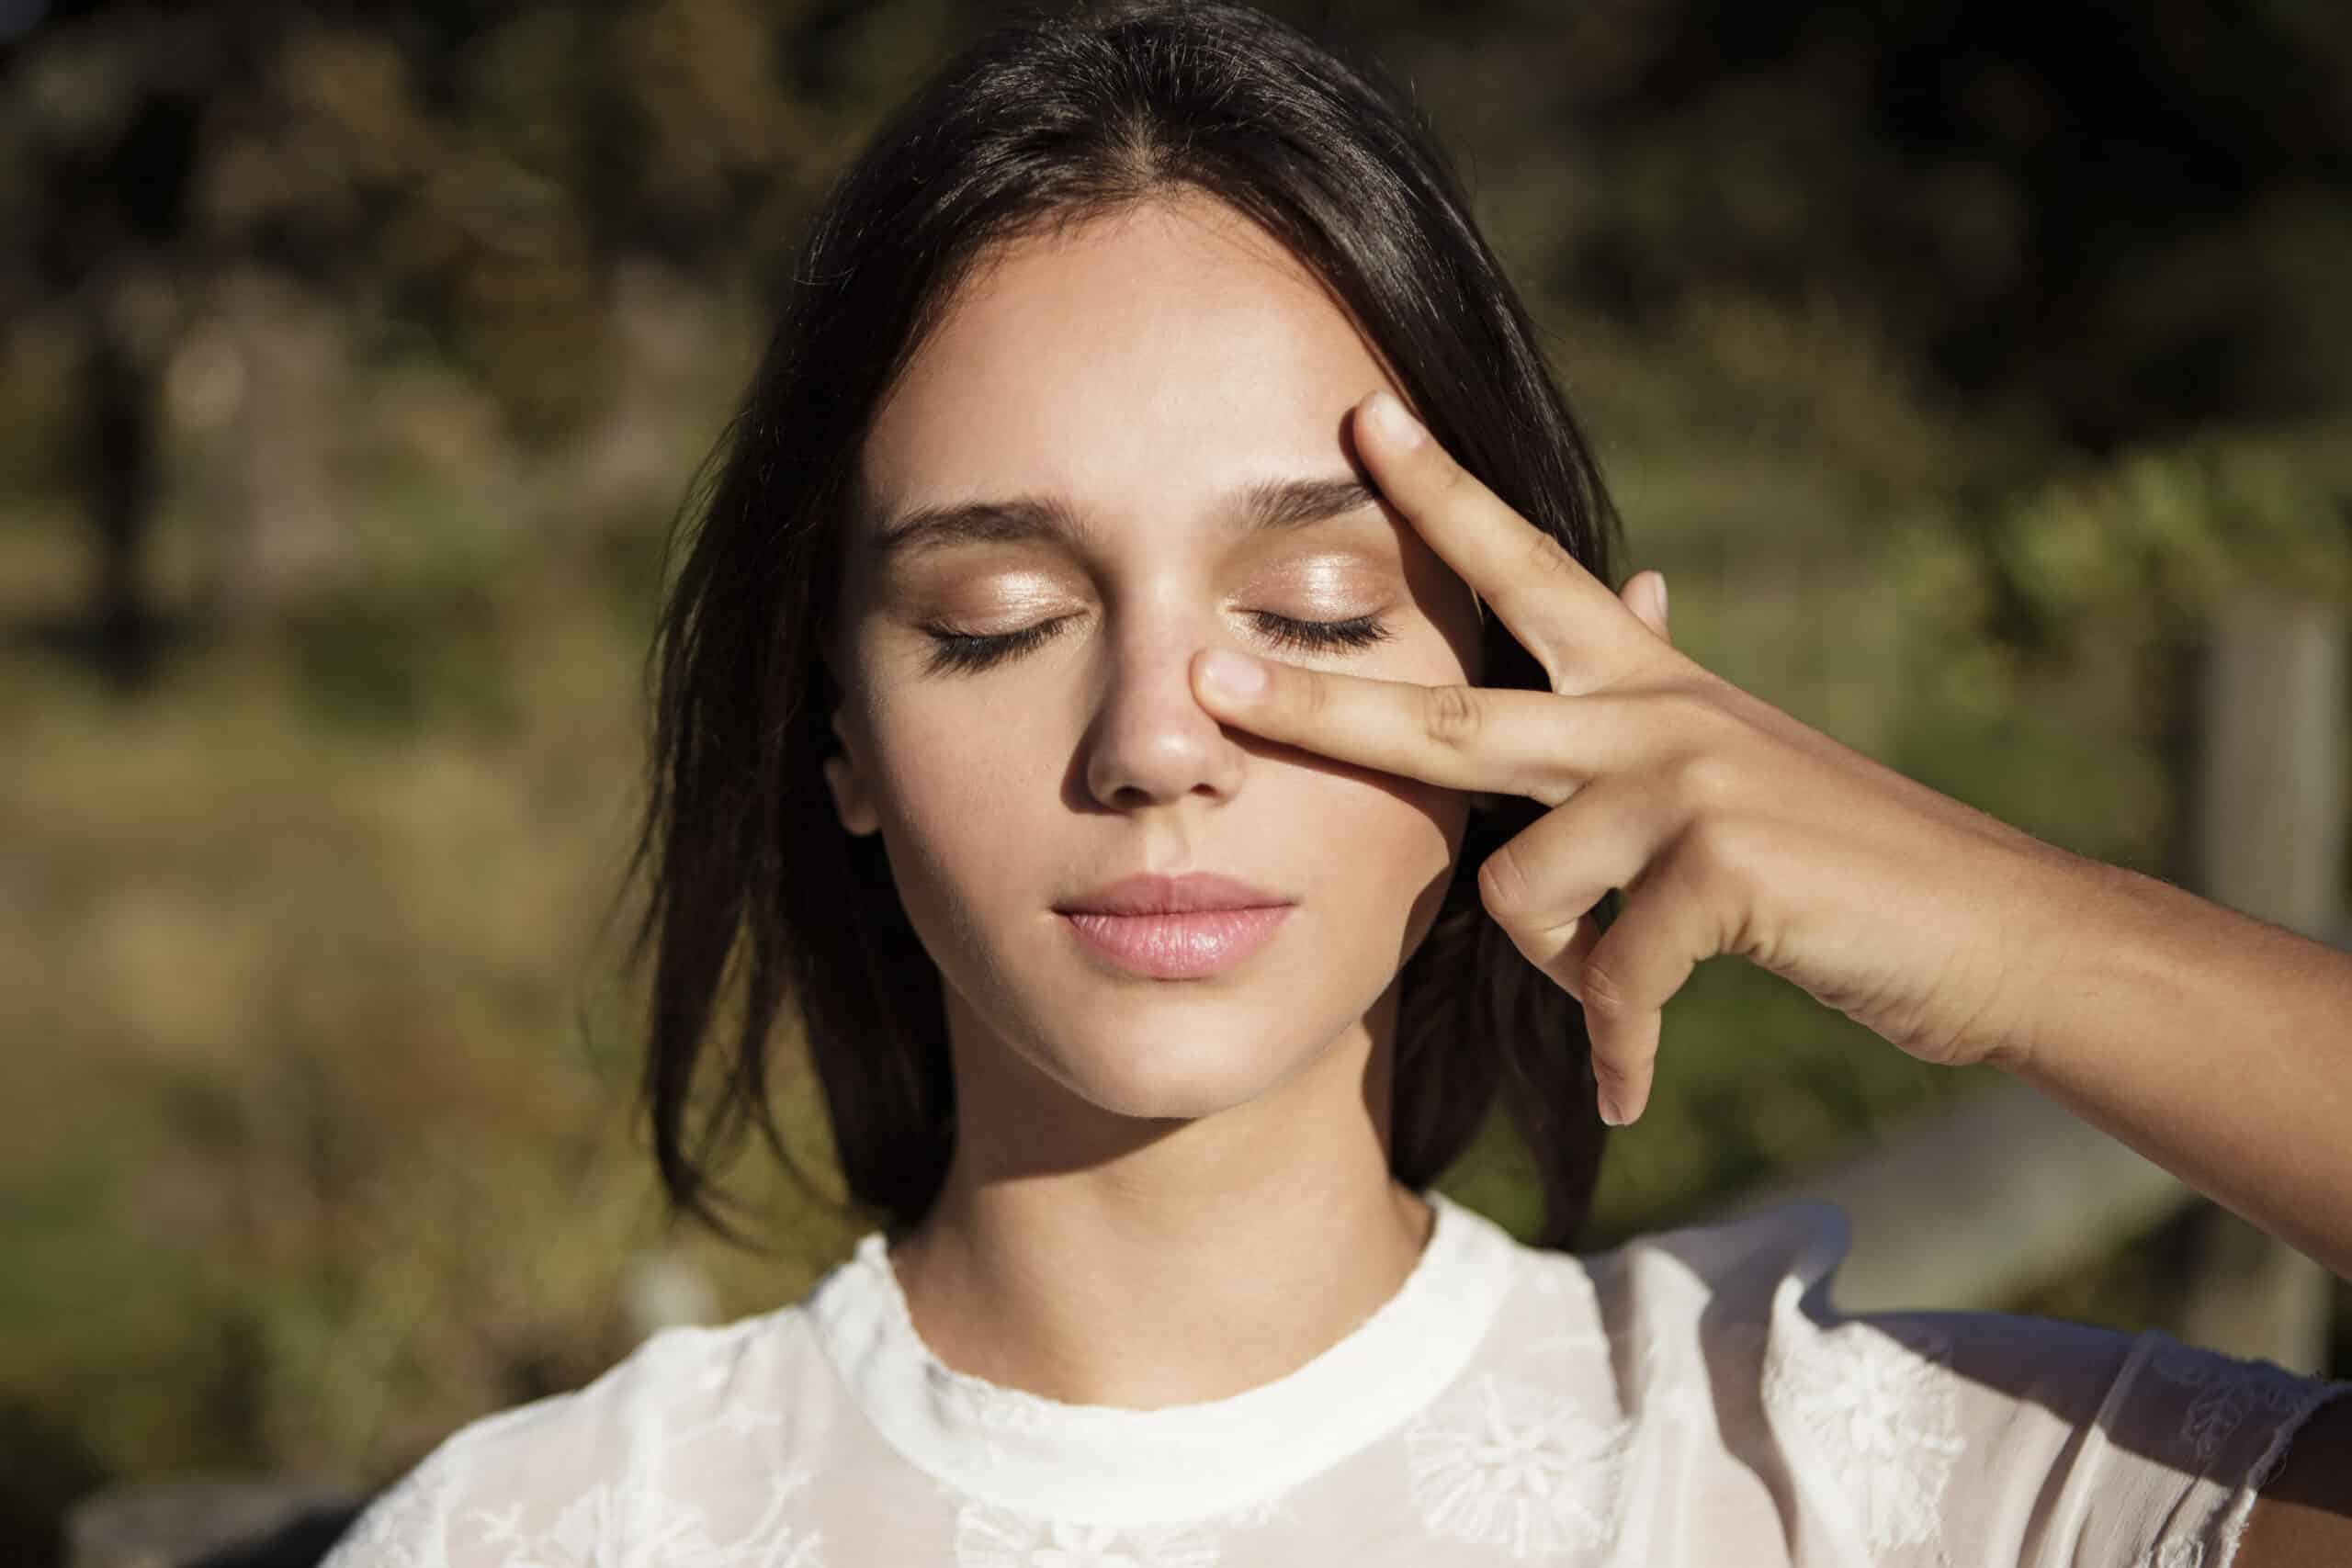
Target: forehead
[{"x": 1170, "y": 351}]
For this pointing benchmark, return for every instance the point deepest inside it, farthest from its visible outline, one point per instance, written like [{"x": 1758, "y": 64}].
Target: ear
[{"x": 853, "y": 801}]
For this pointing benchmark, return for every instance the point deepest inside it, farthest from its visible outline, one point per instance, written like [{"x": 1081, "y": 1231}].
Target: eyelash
[{"x": 963, "y": 651}]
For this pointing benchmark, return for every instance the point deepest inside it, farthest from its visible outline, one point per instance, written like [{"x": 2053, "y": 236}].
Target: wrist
[{"x": 2077, "y": 940}]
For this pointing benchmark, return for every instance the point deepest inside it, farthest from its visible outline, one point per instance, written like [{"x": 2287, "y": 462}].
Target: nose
[{"x": 1151, "y": 744}]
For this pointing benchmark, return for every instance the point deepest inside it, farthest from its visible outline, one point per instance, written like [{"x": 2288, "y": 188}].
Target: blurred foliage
[
  {"x": 2166, "y": 536},
  {"x": 1952, "y": 365}
]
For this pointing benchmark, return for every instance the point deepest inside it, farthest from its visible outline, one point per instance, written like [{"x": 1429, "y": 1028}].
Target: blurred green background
[{"x": 1953, "y": 361}]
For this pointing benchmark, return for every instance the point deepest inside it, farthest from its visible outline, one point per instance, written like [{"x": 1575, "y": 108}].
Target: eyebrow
[{"x": 1267, "y": 506}]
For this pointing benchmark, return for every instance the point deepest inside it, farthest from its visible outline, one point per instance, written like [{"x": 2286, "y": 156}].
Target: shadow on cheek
[{"x": 1443, "y": 808}]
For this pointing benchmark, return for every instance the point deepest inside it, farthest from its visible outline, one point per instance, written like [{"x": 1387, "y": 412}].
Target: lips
[
  {"x": 1145, "y": 894},
  {"x": 1175, "y": 927}
]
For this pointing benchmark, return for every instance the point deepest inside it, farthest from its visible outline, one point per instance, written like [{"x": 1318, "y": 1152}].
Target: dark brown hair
[{"x": 760, "y": 906}]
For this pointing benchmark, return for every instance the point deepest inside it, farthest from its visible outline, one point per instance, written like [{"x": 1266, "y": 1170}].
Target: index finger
[
  {"x": 1559, "y": 611},
  {"x": 1491, "y": 739}
]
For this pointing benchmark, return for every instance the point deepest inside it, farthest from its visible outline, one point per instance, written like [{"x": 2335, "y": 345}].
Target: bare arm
[
  {"x": 2218, "y": 1045},
  {"x": 2221, "y": 1048}
]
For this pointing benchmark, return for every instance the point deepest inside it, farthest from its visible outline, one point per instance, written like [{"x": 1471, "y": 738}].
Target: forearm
[{"x": 2217, "y": 1045}]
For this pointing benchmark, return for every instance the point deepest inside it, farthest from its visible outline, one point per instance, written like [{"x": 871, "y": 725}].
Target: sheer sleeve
[
  {"x": 1936, "y": 1438},
  {"x": 552, "y": 1484},
  {"x": 476, "y": 1500}
]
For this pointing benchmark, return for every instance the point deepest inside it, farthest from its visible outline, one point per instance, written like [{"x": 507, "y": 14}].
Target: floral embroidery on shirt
[
  {"x": 993, "y": 1408},
  {"x": 1509, "y": 1463},
  {"x": 1879, "y": 1409},
  {"x": 989, "y": 1536},
  {"x": 1002, "y": 1409},
  {"x": 396, "y": 1524},
  {"x": 2228, "y": 1390},
  {"x": 638, "y": 1517}
]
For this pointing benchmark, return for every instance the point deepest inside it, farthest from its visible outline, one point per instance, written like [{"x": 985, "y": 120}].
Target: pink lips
[{"x": 1176, "y": 928}]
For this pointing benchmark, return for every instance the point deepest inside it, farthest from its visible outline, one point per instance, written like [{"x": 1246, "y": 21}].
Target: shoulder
[
  {"x": 1765, "y": 1283},
  {"x": 574, "y": 1468},
  {"x": 1723, "y": 1278},
  {"x": 2063, "y": 1441},
  {"x": 1745, "y": 1310}
]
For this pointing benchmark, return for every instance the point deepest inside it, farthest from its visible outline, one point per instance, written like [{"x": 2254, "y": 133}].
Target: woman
[{"x": 1176, "y": 789}]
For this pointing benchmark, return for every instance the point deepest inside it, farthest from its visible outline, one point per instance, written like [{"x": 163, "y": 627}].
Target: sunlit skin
[
  {"x": 1137, "y": 1163},
  {"x": 1149, "y": 1153}
]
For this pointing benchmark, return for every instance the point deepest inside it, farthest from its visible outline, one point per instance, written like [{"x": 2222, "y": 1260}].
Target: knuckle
[
  {"x": 1604, "y": 992},
  {"x": 1546, "y": 557},
  {"x": 1444, "y": 475},
  {"x": 1703, "y": 783},
  {"x": 1451, "y": 716},
  {"x": 1722, "y": 850},
  {"x": 1307, "y": 697}
]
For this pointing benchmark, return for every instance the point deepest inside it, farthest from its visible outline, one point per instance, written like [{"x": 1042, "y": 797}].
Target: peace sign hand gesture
[{"x": 1730, "y": 826}]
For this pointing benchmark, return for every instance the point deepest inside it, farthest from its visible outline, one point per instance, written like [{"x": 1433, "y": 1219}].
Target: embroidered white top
[{"x": 1688, "y": 1399}]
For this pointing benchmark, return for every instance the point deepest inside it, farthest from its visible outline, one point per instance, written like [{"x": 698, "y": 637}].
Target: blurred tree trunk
[
  {"x": 278, "y": 531},
  {"x": 2264, "y": 833}
]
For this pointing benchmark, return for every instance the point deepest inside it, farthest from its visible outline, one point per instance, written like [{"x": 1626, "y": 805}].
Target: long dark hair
[{"x": 761, "y": 906}]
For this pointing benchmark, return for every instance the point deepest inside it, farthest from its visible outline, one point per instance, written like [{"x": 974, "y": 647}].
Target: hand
[{"x": 1730, "y": 826}]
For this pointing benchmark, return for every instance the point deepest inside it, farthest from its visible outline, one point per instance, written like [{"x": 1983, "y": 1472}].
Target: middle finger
[{"x": 1577, "y": 628}]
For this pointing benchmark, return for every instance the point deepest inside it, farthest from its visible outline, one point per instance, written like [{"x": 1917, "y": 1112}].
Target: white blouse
[{"x": 1688, "y": 1399}]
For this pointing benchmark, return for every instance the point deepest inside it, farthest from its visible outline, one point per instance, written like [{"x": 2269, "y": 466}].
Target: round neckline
[{"x": 1116, "y": 1465}]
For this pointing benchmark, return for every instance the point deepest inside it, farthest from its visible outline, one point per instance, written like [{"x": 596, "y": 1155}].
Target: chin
[{"x": 1179, "y": 1077}]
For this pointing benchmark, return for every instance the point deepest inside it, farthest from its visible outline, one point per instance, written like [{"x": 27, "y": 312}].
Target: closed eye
[{"x": 962, "y": 651}]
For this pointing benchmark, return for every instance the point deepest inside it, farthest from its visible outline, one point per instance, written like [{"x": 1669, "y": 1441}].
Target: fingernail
[
  {"x": 1661, "y": 596},
  {"x": 1237, "y": 675},
  {"x": 1399, "y": 427},
  {"x": 1609, "y": 1111}
]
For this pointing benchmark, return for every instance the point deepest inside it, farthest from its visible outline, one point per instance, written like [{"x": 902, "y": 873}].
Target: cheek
[
  {"x": 1376, "y": 830},
  {"x": 950, "y": 781},
  {"x": 1379, "y": 852}
]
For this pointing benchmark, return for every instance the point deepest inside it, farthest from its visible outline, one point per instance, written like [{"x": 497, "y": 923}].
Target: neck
[{"x": 1186, "y": 1261}]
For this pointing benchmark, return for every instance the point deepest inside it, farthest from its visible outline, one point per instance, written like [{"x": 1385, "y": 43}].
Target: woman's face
[{"x": 1129, "y": 383}]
